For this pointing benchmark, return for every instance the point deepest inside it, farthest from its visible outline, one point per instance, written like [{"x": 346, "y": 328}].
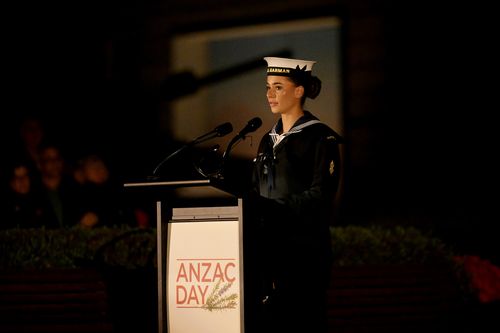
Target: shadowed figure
[
  {"x": 21, "y": 204},
  {"x": 102, "y": 197},
  {"x": 60, "y": 193}
]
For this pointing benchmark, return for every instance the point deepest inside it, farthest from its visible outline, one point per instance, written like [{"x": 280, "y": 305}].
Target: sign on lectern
[
  {"x": 204, "y": 282},
  {"x": 200, "y": 257}
]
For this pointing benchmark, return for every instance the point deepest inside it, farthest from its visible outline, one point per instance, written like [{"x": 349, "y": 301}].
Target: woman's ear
[{"x": 299, "y": 91}]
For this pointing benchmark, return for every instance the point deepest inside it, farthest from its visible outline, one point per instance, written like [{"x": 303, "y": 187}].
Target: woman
[
  {"x": 296, "y": 174},
  {"x": 21, "y": 206}
]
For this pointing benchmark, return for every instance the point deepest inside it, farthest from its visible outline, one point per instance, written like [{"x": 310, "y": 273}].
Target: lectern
[{"x": 199, "y": 256}]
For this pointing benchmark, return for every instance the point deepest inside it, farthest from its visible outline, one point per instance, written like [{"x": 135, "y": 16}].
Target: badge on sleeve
[{"x": 332, "y": 167}]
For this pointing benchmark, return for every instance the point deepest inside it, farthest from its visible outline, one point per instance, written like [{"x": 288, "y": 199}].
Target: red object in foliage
[
  {"x": 484, "y": 277},
  {"x": 142, "y": 218}
]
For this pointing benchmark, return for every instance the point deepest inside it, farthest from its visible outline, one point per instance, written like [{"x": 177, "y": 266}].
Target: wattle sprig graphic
[{"x": 216, "y": 301}]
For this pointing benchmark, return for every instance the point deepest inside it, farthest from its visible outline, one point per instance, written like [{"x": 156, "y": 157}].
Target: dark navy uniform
[{"x": 297, "y": 176}]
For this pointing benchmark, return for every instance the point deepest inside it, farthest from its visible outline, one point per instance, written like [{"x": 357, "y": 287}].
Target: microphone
[
  {"x": 219, "y": 131},
  {"x": 224, "y": 129},
  {"x": 252, "y": 125}
]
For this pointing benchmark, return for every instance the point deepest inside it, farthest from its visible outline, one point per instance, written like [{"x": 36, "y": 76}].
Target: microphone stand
[
  {"x": 230, "y": 145},
  {"x": 225, "y": 155},
  {"x": 252, "y": 125},
  {"x": 196, "y": 141}
]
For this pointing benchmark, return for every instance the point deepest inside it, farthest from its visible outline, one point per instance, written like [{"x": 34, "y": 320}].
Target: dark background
[{"x": 419, "y": 100}]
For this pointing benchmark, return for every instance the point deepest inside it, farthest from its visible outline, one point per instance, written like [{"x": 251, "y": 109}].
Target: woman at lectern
[{"x": 295, "y": 177}]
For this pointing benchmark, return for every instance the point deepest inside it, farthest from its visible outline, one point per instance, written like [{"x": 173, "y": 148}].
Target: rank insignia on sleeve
[{"x": 332, "y": 167}]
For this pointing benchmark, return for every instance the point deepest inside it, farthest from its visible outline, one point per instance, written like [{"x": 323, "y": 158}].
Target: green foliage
[
  {"x": 132, "y": 247},
  {"x": 373, "y": 245},
  {"x": 69, "y": 248}
]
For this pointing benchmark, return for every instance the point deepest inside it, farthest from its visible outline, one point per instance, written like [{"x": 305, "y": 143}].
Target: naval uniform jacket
[{"x": 297, "y": 174}]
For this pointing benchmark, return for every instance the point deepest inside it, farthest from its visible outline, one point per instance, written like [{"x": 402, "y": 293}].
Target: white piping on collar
[{"x": 277, "y": 138}]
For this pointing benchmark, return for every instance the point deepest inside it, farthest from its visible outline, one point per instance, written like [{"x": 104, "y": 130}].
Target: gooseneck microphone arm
[
  {"x": 219, "y": 131},
  {"x": 252, "y": 125}
]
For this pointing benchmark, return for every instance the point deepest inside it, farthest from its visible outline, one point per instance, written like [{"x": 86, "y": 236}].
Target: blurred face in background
[
  {"x": 51, "y": 162},
  {"x": 95, "y": 170},
  {"x": 20, "y": 182}
]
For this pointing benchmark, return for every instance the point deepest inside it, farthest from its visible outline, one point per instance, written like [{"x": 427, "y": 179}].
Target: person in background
[
  {"x": 295, "y": 180},
  {"x": 61, "y": 196},
  {"x": 21, "y": 203},
  {"x": 101, "y": 197},
  {"x": 31, "y": 136}
]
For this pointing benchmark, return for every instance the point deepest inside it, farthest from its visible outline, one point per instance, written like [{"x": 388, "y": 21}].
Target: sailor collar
[{"x": 303, "y": 122}]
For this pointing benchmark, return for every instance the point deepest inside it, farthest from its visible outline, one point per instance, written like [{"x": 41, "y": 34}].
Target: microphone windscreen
[
  {"x": 224, "y": 129},
  {"x": 255, "y": 123}
]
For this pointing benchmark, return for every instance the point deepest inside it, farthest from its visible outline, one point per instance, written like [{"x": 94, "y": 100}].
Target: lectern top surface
[{"x": 170, "y": 183}]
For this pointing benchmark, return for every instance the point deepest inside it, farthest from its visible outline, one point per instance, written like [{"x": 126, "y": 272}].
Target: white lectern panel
[{"x": 204, "y": 273}]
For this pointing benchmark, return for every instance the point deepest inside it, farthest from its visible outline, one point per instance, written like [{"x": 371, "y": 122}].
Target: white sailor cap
[{"x": 288, "y": 67}]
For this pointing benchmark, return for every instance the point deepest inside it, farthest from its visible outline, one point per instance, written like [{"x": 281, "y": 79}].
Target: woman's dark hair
[
  {"x": 311, "y": 84},
  {"x": 314, "y": 87}
]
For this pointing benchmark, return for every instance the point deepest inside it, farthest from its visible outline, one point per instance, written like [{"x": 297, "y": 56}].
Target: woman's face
[{"x": 282, "y": 94}]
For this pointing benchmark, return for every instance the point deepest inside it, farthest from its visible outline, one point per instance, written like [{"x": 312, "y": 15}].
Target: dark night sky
[{"x": 58, "y": 63}]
